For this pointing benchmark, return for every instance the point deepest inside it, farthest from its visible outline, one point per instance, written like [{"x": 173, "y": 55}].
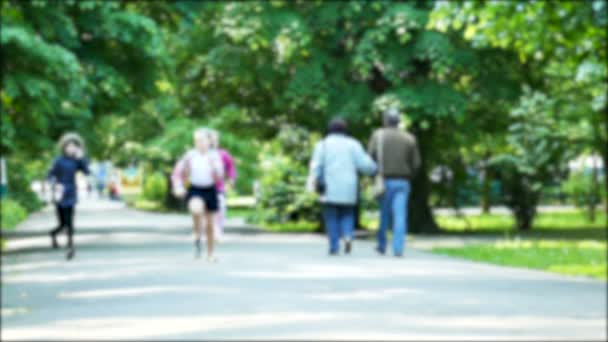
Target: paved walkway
[{"x": 134, "y": 278}]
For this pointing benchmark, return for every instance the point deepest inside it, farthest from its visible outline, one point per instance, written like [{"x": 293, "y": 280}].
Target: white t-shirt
[{"x": 202, "y": 167}]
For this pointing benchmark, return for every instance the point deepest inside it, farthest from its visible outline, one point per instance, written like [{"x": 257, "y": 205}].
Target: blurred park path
[{"x": 134, "y": 277}]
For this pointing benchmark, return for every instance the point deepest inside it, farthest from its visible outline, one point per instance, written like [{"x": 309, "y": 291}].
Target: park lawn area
[
  {"x": 291, "y": 227},
  {"x": 244, "y": 212},
  {"x": 582, "y": 257}
]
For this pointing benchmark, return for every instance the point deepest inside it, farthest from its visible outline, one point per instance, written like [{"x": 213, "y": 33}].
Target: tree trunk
[
  {"x": 485, "y": 191},
  {"x": 420, "y": 217}
]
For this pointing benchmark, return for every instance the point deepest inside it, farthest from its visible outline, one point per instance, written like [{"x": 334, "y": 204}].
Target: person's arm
[
  {"x": 217, "y": 165},
  {"x": 83, "y": 165},
  {"x": 229, "y": 166},
  {"x": 314, "y": 167},
  {"x": 52, "y": 173},
  {"x": 371, "y": 146},
  {"x": 364, "y": 163},
  {"x": 178, "y": 175}
]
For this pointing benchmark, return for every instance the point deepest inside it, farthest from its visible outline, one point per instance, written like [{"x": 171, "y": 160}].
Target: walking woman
[
  {"x": 335, "y": 165},
  {"x": 230, "y": 177},
  {"x": 62, "y": 176},
  {"x": 201, "y": 168}
]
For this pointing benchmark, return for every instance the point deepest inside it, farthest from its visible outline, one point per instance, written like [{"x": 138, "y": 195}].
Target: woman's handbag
[
  {"x": 378, "y": 189},
  {"x": 320, "y": 185}
]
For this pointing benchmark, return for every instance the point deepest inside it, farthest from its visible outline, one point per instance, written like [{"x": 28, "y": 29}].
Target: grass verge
[
  {"x": 291, "y": 227},
  {"x": 582, "y": 258}
]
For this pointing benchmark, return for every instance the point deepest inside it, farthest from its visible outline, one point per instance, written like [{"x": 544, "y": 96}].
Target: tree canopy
[{"x": 135, "y": 78}]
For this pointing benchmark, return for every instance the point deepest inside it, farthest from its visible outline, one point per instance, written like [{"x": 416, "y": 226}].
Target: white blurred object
[
  {"x": 56, "y": 192},
  {"x": 586, "y": 162}
]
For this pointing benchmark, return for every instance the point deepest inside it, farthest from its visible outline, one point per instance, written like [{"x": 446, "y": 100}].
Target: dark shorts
[{"x": 208, "y": 195}]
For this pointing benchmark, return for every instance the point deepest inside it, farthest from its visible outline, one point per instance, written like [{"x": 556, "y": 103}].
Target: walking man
[{"x": 398, "y": 158}]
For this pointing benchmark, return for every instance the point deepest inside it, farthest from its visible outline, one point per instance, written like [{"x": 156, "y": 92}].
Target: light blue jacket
[{"x": 341, "y": 158}]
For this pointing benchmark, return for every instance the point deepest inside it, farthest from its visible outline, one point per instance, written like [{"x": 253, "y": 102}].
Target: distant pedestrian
[
  {"x": 202, "y": 168},
  {"x": 229, "y": 177},
  {"x": 62, "y": 176},
  {"x": 101, "y": 175},
  {"x": 335, "y": 165},
  {"x": 398, "y": 158}
]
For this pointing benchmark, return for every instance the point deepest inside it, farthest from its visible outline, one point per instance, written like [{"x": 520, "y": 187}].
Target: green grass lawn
[{"x": 584, "y": 257}]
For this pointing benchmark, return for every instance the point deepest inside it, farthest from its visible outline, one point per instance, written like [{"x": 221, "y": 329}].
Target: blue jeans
[
  {"x": 339, "y": 221},
  {"x": 393, "y": 209}
]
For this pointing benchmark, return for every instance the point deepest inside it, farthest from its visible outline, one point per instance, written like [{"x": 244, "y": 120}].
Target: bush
[
  {"x": 284, "y": 170},
  {"x": 579, "y": 188},
  {"x": 20, "y": 176},
  {"x": 155, "y": 187},
  {"x": 12, "y": 213}
]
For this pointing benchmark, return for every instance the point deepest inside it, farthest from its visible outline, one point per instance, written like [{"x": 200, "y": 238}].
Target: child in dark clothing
[{"x": 63, "y": 176}]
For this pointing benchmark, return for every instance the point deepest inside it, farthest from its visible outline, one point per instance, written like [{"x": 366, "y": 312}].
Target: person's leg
[
  {"x": 60, "y": 226},
  {"x": 210, "y": 209},
  {"x": 385, "y": 218},
  {"x": 197, "y": 223},
  {"x": 399, "y": 208},
  {"x": 210, "y": 225},
  {"x": 330, "y": 214},
  {"x": 347, "y": 226},
  {"x": 194, "y": 205},
  {"x": 69, "y": 217}
]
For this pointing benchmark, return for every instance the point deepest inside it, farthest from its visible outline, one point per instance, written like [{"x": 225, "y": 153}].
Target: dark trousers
[
  {"x": 339, "y": 222},
  {"x": 65, "y": 216}
]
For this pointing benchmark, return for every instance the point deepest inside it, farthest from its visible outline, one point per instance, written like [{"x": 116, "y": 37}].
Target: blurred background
[{"x": 506, "y": 98}]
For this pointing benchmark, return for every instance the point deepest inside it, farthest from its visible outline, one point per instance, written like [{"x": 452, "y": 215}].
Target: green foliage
[
  {"x": 70, "y": 63},
  {"x": 12, "y": 213},
  {"x": 155, "y": 187}
]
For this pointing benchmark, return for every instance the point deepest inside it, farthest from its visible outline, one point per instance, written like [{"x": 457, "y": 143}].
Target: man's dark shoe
[
  {"x": 380, "y": 251},
  {"x": 348, "y": 246},
  {"x": 399, "y": 255},
  {"x": 333, "y": 253}
]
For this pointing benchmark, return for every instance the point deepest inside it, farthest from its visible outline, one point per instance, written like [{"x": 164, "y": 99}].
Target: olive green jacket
[{"x": 401, "y": 158}]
